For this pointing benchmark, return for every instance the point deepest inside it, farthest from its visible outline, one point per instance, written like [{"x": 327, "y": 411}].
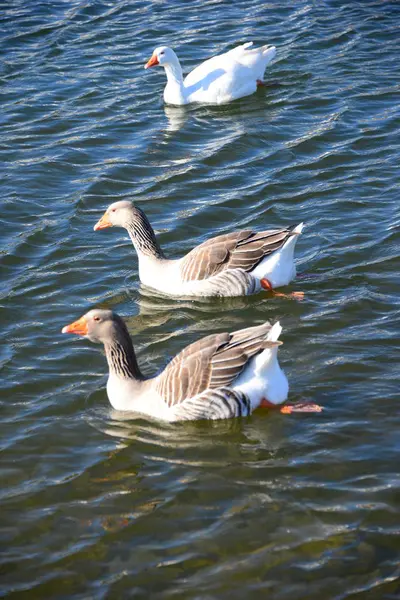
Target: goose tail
[{"x": 263, "y": 379}]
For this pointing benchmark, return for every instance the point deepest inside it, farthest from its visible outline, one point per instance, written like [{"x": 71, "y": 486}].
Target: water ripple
[{"x": 97, "y": 504}]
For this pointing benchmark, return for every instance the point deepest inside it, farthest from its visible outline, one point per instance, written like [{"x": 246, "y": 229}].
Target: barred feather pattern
[
  {"x": 221, "y": 403},
  {"x": 212, "y": 363},
  {"x": 231, "y": 283},
  {"x": 142, "y": 234},
  {"x": 121, "y": 358},
  {"x": 237, "y": 250}
]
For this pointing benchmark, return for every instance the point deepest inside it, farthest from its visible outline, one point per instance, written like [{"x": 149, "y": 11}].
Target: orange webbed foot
[
  {"x": 266, "y": 285},
  {"x": 301, "y": 407},
  {"x": 288, "y": 409}
]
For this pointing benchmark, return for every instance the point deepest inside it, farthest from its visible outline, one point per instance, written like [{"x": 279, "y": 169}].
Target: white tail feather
[
  {"x": 263, "y": 377},
  {"x": 279, "y": 267},
  {"x": 274, "y": 332},
  {"x": 299, "y": 228},
  {"x": 254, "y": 58}
]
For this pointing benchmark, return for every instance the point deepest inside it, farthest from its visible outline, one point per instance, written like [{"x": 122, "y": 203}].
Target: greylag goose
[
  {"x": 220, "y": 376},
  {"x": 234, "y": 264},
  {"x": 218, "y": 80}
]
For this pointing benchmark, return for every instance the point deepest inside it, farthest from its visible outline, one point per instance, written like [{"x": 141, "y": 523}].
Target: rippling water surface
[{"x": 279, "y": 507}]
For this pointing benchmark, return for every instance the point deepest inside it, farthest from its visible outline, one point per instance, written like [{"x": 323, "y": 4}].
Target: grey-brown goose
[
  {"x": 234, "y": 264},
  {"x": 220, "y": 376}
]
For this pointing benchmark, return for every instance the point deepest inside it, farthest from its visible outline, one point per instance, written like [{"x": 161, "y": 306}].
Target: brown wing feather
[
  {"x": 237, "y": 250},
  {"x": 229, "y": 360},
  {"x": 187, "y": 378},
  {"x": 210, "y": 363},
  {"x": 209, "y": 258},
  {"x": 215, "y": 341},
  {"x": 189, "y": 372}
]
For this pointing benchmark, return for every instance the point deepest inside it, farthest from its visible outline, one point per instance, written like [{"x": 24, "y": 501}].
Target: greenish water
[{"x": 278, "y": 507}]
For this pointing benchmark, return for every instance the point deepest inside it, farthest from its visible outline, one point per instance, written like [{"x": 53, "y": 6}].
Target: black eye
[
  {"x": 113, "y": 209},
  {"x": 162, "y": 53},
  {"x": 96, "y": 318}
]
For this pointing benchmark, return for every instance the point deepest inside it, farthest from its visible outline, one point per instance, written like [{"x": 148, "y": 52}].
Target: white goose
[
  {"x": 218, "y": 80},
  {"x": 235, "y": 264},
  {"x": 220, "y": 376}
]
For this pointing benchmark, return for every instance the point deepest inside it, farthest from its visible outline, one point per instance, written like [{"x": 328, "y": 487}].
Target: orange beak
[
  {"x": 79, "y": 327},
  {"x": 152, "y": 62},
  {"x": 103, "y": 222}
]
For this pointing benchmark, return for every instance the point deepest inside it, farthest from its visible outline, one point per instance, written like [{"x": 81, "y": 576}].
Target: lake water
[{"x": 273, "y": 506}]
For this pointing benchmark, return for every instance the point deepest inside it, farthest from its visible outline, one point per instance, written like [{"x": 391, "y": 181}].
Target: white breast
[{"x": 123, "y": 396}]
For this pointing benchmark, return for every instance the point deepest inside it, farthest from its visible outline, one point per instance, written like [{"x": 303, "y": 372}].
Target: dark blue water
[{"x": 279, "y": 507}]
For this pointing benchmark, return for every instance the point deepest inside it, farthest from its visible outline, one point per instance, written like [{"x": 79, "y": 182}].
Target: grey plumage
[
  {"x": 232, "y": 283},
  {"x": 200, "y": 382},
  {"x": 229, "y": 265},
  {"x": 211, "y": 363},
  {"x": 238, "y": 250},
  {"x": 222, "y": 403},
  {"x": 142, "y": 234},
  {"x": 122, "y": 360}
]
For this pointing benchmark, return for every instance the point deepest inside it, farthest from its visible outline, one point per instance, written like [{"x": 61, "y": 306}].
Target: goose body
[
  {"x": 220, "y": 376},
  {"x": 218, "y": 80},
  {"x": 235, "y": 264}
]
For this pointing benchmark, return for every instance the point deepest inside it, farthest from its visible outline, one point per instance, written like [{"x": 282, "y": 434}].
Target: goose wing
[
  {"x": 210, "y": 363},
  {"x": 238, "y": 250}
]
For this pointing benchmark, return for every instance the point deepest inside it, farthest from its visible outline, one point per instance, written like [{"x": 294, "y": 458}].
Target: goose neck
[
  {"x": 143, "y": 236},
  {"x": 121, "y": 359},
  {"x": 174, "y": 73},
  {"x": 174, "y": 92}
]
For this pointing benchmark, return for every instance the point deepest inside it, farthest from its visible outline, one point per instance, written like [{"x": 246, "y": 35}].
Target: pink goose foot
[{"x": 268, "y": 286}]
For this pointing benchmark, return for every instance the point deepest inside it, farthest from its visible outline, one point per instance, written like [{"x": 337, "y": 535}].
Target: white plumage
[{"x": 219, "y": 79}]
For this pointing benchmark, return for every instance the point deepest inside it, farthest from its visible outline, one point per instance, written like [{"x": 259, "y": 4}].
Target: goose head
[
  {"x": 125, "y": 214},
  {"x": 162, "y": 56},
  {"x": 118, "y": 214},
  {"x": 99, "y": 326}
]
